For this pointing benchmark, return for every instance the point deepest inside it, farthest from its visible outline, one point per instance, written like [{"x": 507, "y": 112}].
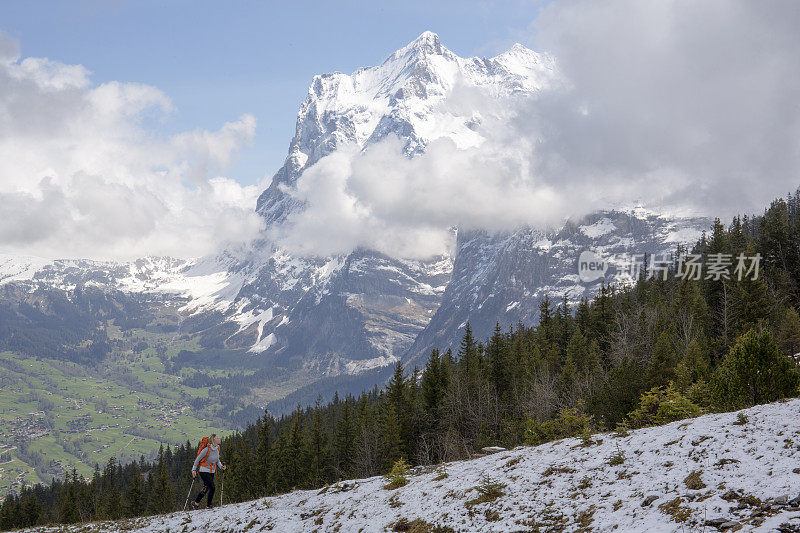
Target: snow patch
[
  {"x": 263, "y": 344},
  {"x": 684, "y": 236},
  {"x": 601, "y": 227}
]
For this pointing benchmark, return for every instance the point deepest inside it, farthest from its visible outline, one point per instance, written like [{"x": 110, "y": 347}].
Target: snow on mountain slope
[
  {"x": 202, "y": 285},
  {"x": 401, "y": 96},
  {"x": 567, "y": 485}
]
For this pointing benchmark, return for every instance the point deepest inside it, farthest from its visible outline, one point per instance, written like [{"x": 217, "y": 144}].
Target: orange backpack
[{"x": 204, "y": 446}]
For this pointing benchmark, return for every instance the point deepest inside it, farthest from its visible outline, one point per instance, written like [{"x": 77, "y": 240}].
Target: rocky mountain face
[
  {"x": 354, "y": 313},
  {"x": 502, "y": 278}
]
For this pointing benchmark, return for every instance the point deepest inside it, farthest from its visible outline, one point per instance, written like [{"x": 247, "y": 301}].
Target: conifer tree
[
  {"x": 344, "y": 442},
  {"x": 661, "y": 367},
  {"x": 163, "y": 500},
  {"x": 432, "y": 386},
  {"x": 316, "y": 449},
  {"x": 469, "y": 355},
  {"x": 754, "y": 372},
  {"x": 694, "y": 366},
  {"x": 291, "y": 461},
  {"x": 788, "y": 332},
  {"x": 264, "y": 480},
  {"x": 500, "y": 368},
  {"x": 391, "y": 442},
  {"x": 109, "y": 492},
  {"x": 135, "y": 503},
  {"x": 69, "y": 502},
  {"x": 31, "y": 510}
]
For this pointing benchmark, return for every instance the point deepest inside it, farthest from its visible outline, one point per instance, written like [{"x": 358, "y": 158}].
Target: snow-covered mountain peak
[
  {"x": 427, "y": 43},
  {"x": 403, "y": 96}
]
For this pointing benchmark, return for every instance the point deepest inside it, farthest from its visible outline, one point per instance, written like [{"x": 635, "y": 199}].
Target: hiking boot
[{"x": 195, "y": 505}]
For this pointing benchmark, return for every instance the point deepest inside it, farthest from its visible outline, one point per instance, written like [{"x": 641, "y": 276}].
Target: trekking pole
[
  {"x": 222, "y": 488},
  {"x": 187, "y": 496}
]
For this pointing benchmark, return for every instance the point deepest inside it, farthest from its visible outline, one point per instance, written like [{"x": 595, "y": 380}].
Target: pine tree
[
  {"x": 397, "y": 389},
  {"x": 316, "y": 449},
  {"x": 788, "y": 332},
  {"x": 344, "y": 442},
  {"x": 694, "y": 366},
  {"x": 134, "y": 496},
  {"x": 109, "y": 492},
  {"x": 69, "y": 503},
  {"x": 754, "y": 372},
  {"x": 661, "y": 367},
  {"x": 264, "y": 479},
  {"x": 8, "y": 513},
  {"x": 432, "y": 386},
  {"x": 546, "y": 319},
  {"x": 291, "y": 462},
  {"x": 240, "y": 471},
  {"x": 391, "y": 442},
  {"x": 95, "y": 502},
  {"x": 468, "y": 354},
  {"x": 499, "y": 366},
  {"x": 31, "y": 510},
  {"x": 163, "y": 500}
]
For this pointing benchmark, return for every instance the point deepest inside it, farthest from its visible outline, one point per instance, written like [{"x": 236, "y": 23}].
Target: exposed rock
[
  {"x": 650, "y": 499},
  {"x": 730, "y": 496},
  {"x": 492, "y": 449}
]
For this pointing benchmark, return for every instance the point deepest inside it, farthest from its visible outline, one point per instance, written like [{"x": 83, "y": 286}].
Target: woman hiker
[{"x": 206, "y": 463}]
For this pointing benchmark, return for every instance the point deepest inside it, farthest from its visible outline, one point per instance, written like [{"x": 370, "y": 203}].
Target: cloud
[
  {"x": 684, "y": 107},
  {"x": 82, "y": 176},
  {"x": 698, "y": 100}
]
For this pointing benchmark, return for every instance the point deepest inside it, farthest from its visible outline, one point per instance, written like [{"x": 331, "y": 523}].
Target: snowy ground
[{"x": 565, "y": 485}]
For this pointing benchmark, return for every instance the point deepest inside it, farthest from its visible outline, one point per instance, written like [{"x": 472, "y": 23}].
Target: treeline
[
  {"x": 661, "y": 350},
  {"x": 117, "y": 491}
]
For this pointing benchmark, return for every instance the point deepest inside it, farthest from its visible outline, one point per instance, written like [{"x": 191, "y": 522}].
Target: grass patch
[
  {"x": 616, "y": 459},
  {"x": 488, "y": 490},
  {"x": 557, "y": 470},
  {"x": 585, "y": 519},
  {"x": 741, "y": 419},
  {"x": 674, "y": 509},
  {"x": 419, "y": 526},
  {"x": 694, "y": 481}
]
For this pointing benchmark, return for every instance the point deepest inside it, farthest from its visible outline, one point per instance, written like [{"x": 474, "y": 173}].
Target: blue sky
[{"x": 219, "y": 60}]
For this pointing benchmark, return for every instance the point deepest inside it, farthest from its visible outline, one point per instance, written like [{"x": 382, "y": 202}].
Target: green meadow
[{"x": 57, "y": 415}]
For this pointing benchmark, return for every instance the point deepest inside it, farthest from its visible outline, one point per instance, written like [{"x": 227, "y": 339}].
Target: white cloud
[
  {"x": 686, "y": 107},
  {"x": 81, "y": 176},
  {"x": 694, "y": 103}
]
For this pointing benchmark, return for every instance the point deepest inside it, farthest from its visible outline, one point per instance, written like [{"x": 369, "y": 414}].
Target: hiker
[{"x": 206, "y": 462}]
